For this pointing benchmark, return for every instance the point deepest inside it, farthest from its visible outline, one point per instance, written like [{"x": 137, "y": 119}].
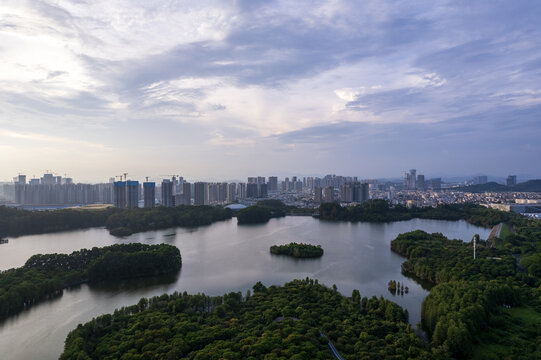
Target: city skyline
[
  {"x": 279, "y": 176},
  {"x": 226, "y": 90}
]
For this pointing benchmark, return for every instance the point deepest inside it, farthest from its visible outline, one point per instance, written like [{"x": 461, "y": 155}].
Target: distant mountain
[{"x": 528, "y": 186}]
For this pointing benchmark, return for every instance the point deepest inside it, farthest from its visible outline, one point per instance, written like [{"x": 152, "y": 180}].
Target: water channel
[{"x": 216, "y": 259}]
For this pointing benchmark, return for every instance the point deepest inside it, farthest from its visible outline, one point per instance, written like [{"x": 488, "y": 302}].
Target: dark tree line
[
  {"x": 380, "y": 211},
  {"x": 120, "y": 222},
  {"x": 17, "y": 222},
  {"x": 262, "y": 212},
  {"x": 271, "y": 323},
  {"x": 44, "y": 276},
  {"x": 127, "y": 222}
]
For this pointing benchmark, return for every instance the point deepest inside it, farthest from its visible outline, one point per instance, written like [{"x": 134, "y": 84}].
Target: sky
[{"x": 216, "y": 90}]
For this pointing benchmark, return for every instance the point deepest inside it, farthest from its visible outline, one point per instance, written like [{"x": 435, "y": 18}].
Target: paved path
[{"x": 331, "y": 347}]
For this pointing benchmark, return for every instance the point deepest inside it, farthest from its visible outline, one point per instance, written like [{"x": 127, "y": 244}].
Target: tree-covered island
[
  {"x": 44, "y": 276},
  {"x": 297, "y": 250}
]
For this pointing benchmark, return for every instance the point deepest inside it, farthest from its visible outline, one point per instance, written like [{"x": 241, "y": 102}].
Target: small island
[{"x": 297, "y": 250}]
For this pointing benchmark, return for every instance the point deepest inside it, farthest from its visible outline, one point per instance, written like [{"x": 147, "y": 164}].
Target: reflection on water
[
  {"x": 128, "y": 285},
  {"x": 219, "y": 258}
]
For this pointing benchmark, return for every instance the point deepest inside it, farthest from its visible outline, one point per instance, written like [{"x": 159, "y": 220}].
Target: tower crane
[{"x": 172, "y": 176}]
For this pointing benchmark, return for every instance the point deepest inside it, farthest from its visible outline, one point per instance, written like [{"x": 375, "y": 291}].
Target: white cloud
[
  {"x": 35, "y": 137},
  {"x": 239, "y": 69}
]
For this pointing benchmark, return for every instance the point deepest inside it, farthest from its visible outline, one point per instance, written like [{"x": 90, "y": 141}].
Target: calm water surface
[{"x": 216, "y": 259}]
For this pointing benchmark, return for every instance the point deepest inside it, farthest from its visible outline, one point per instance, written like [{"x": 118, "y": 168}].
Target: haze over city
[{"x": 225, "y": 90}]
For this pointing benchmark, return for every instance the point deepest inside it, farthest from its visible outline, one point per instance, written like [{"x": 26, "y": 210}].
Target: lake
[{"x": 216, "y": 259}]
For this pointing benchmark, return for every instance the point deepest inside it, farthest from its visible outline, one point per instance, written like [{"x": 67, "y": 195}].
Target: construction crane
[{"x": 172, "y": 176}]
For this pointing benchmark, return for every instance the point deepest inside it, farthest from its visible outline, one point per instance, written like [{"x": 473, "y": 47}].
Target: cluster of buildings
[
  {"x": 56, "y": 191},
  {"x": 414, "y": 181},
  {"x": 176, "y": 191},
  {"x": 483, "y": 179}
]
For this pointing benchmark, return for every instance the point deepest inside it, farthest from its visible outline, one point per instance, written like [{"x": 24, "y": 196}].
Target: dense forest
[
  {"x": 294, "y": 321},
  {"x": 17, "y": 222},
  {"x": 297, "y": 250},
  {"x": 487, "y": 308},
  {"x": 127, "y": 222},
  {"x": 381, "y": 211},
  {"x": 120, "y": 222},
  {"x": 434, "y": 258},
  {"x": 45, "y": 276}
]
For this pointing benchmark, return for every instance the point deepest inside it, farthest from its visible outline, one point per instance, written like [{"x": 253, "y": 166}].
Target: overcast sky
[{"x": 223, "y": 90}]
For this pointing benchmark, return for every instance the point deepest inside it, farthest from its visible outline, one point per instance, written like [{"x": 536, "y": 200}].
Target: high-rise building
[
  {"x": 346, "y": 193},
  {"x": 119, "y": 194},
  {"x": 252, "y": 190},
  {"x": 48, "y": 179},
  {"x": 262, "y": 191},
  {"x": 149, "y": 194},
  {"x": 364, "y": 193},
  {"x": 231, "y": 192},
  {"x": 241, "y": 191},
  {"x": 200, "y": 193},
  {"x": 180, "y": 185},
  {"x": 273, "y": 183},
  {"x": 420, "y": 182},
  {"x": 187, "y": 193},
  {"x": 412, "y": 179},
  {"x": 328, "y": 194},
  {"x": 285, "y": 184},
  {"x": 435, "y": 184},
  {"x": 222, "y": 192},
  {"x": 480, "y": 180},
  {"x": 511, "y": 180},
  {"x": 132, "y": 194},
  {"x": 317, "y": 194},
  {"x": 167, "y": 193}
]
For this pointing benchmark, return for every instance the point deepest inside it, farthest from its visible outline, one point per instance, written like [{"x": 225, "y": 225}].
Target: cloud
[
  {"x": 35, "y": 137},
  {"x": 267, "y": 73}
]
